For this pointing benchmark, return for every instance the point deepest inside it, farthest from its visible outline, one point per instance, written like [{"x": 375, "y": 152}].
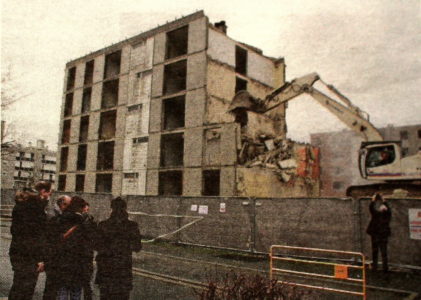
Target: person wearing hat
[
  {"x": 117, "y": 238},
  {"x": 379, "y": 229},
  {"x": 26, "y": 250}
]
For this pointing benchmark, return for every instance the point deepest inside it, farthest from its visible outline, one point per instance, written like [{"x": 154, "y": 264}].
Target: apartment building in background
[
  {"x": 339, "y": 155},
  {"x": 22, "y": 166},
  {"x": 149, "y": 115}
]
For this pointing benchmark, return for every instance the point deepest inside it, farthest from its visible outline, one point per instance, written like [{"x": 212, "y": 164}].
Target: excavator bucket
[{"x": 243, "y": 100}]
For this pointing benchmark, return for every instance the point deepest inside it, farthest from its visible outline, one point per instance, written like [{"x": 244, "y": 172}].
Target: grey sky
[{"x": 370, "y": 50}]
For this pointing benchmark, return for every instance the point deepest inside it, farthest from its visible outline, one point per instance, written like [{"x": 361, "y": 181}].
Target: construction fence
[{"x": 254, "y": 224}]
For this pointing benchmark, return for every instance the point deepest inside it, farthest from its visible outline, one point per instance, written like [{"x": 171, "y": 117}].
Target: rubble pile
[{"x": 287, "y": 159}]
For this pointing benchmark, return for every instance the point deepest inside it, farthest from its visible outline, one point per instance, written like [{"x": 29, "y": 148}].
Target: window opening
[
  {"x": 107, "y": 124},
  {"x": 177, "y": 42},
  {"x": 175, "y": 77},
  {"x": 61, "y": 182},
  {"x": 63, "y": 158},
  {"x": 80, "y": 183},
  {"x": 170, "y": 183},
  {"x": 81, "y": 157},
  {"x": 174, "y": 112},
  {"x": 84, "y": 129},
  {"x": 71, "y": 76},
  {"x": 240, "y": 84},
  {"x": 86, "y": 100},
  {"x": 172, "y": 150},
  {"x": 112, "y": 64},
  {"x": 104, "y": 183},
  {"x": 109, "y": 94},
  {"x": 379, "y": 156},
  {"x": 89, "y": 72},
  {"x": 211, "y": 182},
  {"x": 240, "y": 60},
  {"x": 65, "y": 138},
  {"x": 404, "y": 135},
  {"x": 105, "y": 159},
  {"x": 68, "y": 105}
]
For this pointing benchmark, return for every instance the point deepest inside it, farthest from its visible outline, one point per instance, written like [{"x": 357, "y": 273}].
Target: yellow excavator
[{"x": 379, "y": 160}]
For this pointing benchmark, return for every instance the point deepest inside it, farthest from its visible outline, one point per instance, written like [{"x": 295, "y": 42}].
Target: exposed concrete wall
[
  {"x": 159, "y": 48},
  {"x": 195, "y": 108},
  {"x": 77, "y": 101},
  {"x": 123, "y": 89},
  {"x": 96, "y": 97},
  {"x": 260, "y": 68},
  {"x": 197, "y": 35},
  {"x": 80, "y": 72},
  {"x": 196, "y": 71},
  {"x": 192, "y": 183},
  {"x": 74, "y": 130},
  {"x": 221, "y": 48},
  {"x": 99, "y": 64},
  {"x": 141, "y": 57},
  {"x": 193, "y": 145}
]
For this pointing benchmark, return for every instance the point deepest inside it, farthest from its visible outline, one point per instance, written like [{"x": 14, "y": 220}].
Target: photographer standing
[{"x": 379, "y": 229}]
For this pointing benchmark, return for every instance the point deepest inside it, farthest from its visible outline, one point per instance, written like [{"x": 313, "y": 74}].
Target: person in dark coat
[
  {"x": 27, "y": 247},
  {"x": 379, "y": 229},
  {"x": 88, "y": 267},
  {"x": 52, "y": 240},
  {"x": 118, "y": 237},
  {"x": 76, "y": 235}
]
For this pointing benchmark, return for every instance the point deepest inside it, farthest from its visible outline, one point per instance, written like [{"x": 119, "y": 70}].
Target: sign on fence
[{"x": 414, "y": 215}]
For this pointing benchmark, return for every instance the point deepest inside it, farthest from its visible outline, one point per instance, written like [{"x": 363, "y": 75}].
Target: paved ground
[{"x": 165, "y": 271}]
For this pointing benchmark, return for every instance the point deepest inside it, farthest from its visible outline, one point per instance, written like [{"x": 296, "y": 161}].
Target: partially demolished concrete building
[{"x": 149, "y": 116}]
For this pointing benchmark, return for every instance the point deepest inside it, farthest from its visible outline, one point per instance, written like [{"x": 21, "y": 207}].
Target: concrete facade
[
  {"x": 24, "y": 165},
  {"x": 168, "y": 131},
  {"x": 339, "y": 155}
]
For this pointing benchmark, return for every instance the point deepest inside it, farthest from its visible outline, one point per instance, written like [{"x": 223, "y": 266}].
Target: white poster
[
  {"x": 414, "y": 215},
  {"x": 222, "y": 207},
  {"x": 203, "y": 209},
  {"x": 193, "y": 207}
]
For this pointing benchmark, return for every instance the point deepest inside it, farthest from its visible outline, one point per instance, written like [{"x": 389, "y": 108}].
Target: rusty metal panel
[
  {"x": 159, "y": 48},
  {"x": 195, "y": 108},
  {"x": 197, "y": 35},
  {"x": 193, "y": 144}
]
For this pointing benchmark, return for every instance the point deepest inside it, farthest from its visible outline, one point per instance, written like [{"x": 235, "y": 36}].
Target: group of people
[{"x": 63, "y": 243}]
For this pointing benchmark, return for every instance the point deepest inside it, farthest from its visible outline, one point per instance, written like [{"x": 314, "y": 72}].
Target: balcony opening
[
  {"x": 112, "y": 64},
  {"x": 109, "y": 94},
  {"x": 174, "y": 112},
  {"x": 240, "y": 60},
  {"x": 89, "y": 72},
  {"x": 68, "y": 104},
  {"x": 84, "y": 129},
  {"x": 107, "y": 125},
  {"x": 81, "y": 157},
  {"x": 105, "y": 158},
  {"x": 104, "y": 183},
  {"x": 86, "y": 100},
  {"x": 61, "y": 183},
  {"x": 177, "y": 42},
  {"x": 80, "y": 183},
  {"x": 170, "y": 183},
  {"x": 71, "y": 76},
  {"x": 211, "y": 179},
  {"x": 64, "y": 158},
  {"x": 65, "y": 137},
  {"x": 240, "y": 85},
  {"x": 175, "y": 77},
  {"x": 172, "y": 150}
]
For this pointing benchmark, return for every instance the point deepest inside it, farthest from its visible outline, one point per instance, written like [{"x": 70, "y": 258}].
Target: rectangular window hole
[
  {"x": 81, "y": 157},
  {"x": 68, "y": 105},
  {"x": 80, "y": 183},
  {"x": 174, "y": 112},
  {"x": 61, "y": 183},
  {"x": 65, "y": 137},
  {"x": 172, "y": 150},
  {"x": 175, "y": 77},
  {"x": 107, "y": 124},
  {"x": 104, "y": 183},
  {"x": 84, "y": 129},
  {"x": 105, "y": 158},
  {"x": 177, "y": 41},
  {"x": 63, "y": 158},
  {"x": 71, "y": 76},
  {"x": 112, "y": 64},
  {"x": 240, "y": 60},
  {"x": 240, "y": 84},
  {"x": 211, "y": 182},
  {"x": 86, "y": 100},
  {"x": 89, "y": 72},
  {"x": 109, "y": 94},
  {"x": 170, "y": 183}
]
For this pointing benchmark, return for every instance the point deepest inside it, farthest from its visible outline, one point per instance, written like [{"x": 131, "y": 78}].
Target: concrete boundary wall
[{"x": 254, "y": 224}]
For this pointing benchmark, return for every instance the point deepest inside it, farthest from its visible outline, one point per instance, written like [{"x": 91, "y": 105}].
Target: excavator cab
[{"x": 380, "y": 160}]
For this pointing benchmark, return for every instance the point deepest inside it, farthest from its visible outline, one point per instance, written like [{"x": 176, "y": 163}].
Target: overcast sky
[{"x": 370, "y": 50}]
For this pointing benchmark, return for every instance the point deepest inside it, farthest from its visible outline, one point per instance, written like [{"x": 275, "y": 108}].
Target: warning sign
[
  {"x": 414, "y": 215},
  {"x": 341, "y": 271}
]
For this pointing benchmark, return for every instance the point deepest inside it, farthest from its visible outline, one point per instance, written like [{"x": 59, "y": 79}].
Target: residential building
[
  {"x": 149, "y": 115},
  {"x": 22, "y": 166},
  {"x": 339, "y": 155}
]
